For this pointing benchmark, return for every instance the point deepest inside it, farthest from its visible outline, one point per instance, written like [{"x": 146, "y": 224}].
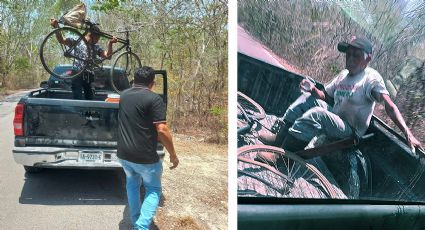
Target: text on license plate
[{"x": 90, "y": 157}]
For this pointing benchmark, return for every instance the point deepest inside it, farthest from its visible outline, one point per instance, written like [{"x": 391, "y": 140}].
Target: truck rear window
[{"x": 101, "y": 80}]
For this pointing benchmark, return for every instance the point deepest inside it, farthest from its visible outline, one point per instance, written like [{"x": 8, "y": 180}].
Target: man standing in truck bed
[
  {"x": 84, "y": 80},
  {"x": 141, "y": 122}
]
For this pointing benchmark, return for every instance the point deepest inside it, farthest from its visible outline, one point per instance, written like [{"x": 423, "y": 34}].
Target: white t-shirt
[{"x": 353, "y": 96}]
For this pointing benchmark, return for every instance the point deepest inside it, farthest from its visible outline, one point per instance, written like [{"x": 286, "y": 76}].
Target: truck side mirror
[{"x": 44, "y": 85}]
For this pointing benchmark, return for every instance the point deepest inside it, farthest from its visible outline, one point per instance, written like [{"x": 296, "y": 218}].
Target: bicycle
[
  {"x": 291, "y": 177},
  {"x": 53, "y": 53}
]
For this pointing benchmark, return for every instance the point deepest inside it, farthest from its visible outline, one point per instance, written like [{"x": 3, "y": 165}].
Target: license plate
[{"x": 90, "y": 157}]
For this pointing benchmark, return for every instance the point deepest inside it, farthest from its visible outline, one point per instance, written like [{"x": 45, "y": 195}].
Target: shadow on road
[
  {"x": 80, "y": 187},
  {"x": 74, "y": 187}
]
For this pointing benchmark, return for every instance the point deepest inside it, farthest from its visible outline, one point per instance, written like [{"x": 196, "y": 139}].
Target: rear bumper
[{"x": 51, "y": 157}]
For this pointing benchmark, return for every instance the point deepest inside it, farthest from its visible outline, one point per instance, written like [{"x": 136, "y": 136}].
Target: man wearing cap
[
  {"x": 84, "y": 80},
  {"x": 353, "y": 93}
]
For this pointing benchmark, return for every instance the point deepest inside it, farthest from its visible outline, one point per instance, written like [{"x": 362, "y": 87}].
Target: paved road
[{"x": 56, "y": 199}]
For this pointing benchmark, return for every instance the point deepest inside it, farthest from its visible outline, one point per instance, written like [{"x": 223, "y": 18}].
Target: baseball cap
[{"x": 357, "y": 42}]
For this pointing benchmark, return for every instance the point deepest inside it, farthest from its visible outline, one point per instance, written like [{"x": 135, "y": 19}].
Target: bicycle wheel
[
  {"x": 243, "y": 121},
  {"x": 244, "y": 126},
  {"x": 289, "y": 177},
  {"x": 247, "y": 133},
  {"x": 53, "y": 53},
  {"x": 122, "y": 72},
  {"x": 251, "y": 107}
]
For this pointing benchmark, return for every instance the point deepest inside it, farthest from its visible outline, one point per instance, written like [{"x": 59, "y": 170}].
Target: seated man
[{"x": 353, "y": 93}]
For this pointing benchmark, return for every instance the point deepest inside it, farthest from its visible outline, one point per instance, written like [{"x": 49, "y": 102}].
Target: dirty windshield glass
[{"x": 320, "y": 87}]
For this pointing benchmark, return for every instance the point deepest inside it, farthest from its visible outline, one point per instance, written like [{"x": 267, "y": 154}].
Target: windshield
[{"x": 288, "y": 42}]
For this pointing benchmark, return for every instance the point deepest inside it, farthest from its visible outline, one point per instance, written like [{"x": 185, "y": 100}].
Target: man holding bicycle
[
  {"x": 353, "y": 94},
  {"x": 84, "y": 80}
]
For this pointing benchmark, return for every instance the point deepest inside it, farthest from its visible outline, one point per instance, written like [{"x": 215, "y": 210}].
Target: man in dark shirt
[{"x": 141, "y": 122}]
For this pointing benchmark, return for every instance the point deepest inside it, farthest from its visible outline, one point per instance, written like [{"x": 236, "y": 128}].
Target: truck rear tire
[{"x": 32, "y": 169}]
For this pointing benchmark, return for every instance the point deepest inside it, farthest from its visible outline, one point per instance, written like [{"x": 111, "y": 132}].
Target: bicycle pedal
[{"x": 278, "y": 124}]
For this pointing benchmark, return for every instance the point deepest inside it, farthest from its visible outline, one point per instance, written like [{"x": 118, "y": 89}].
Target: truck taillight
[{"x": 18, "y": 121}]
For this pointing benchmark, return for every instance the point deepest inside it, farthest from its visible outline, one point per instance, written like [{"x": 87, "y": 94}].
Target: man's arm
[
  {"x": 54, "y": 23},
  {"x": 316, "y": 92},
  {"x": 395, "y": 115},
  {"x": 108, "y": 52},
  {"x": 165, "y": 138}
]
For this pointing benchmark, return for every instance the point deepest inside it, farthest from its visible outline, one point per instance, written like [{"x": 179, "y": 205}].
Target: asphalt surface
[{"x": 56, "y": 199}]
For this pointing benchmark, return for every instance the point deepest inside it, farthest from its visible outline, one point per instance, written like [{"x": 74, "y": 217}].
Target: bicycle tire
[
  {"x": 292, "y": 177},
  {"x": 125, "y": 64},
  {"x": 251, "y": 107},
  {"x": 246, "y": 133},
  {"x": 53, "y": 53},
  {"x": 243, "y": 123}
]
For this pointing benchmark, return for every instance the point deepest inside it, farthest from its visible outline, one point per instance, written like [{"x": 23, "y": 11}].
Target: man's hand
[
  {"x": 412, "y": 142},
  {"x": 165, "y": 138},
  {"x": 306, "y": 85},
  {"x": 396, "y": 117},
  {"x": 113, "y": 40},
  {"x": 108, "y": 53},
  {"x": 54, "y": 23},
  {"x": 174, "y": 160}
]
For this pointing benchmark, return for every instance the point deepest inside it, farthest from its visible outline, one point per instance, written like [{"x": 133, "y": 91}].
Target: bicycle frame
[
  {"x": 250, "y": 122},
  {"x": 125, "y": 44}
]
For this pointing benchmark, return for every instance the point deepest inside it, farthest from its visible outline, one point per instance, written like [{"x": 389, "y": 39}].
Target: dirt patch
[{"x": 195, "y": 194}]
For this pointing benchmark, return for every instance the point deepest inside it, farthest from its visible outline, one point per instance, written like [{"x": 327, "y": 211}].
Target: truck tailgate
[{"x": 59, "y": 122}]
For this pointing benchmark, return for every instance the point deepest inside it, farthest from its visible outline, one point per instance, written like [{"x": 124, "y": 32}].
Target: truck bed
[
  {"x": 59, "y": 131},
  {"x": 393, "y": 172}
]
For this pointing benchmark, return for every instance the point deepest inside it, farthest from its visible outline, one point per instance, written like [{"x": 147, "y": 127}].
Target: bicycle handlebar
[
  {"x": 90, "y": 23},
  {"x": 244, "y": 129}
]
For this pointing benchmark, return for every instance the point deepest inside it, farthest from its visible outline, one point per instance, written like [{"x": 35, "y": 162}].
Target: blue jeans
[{"x": 150, "y": 176}]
